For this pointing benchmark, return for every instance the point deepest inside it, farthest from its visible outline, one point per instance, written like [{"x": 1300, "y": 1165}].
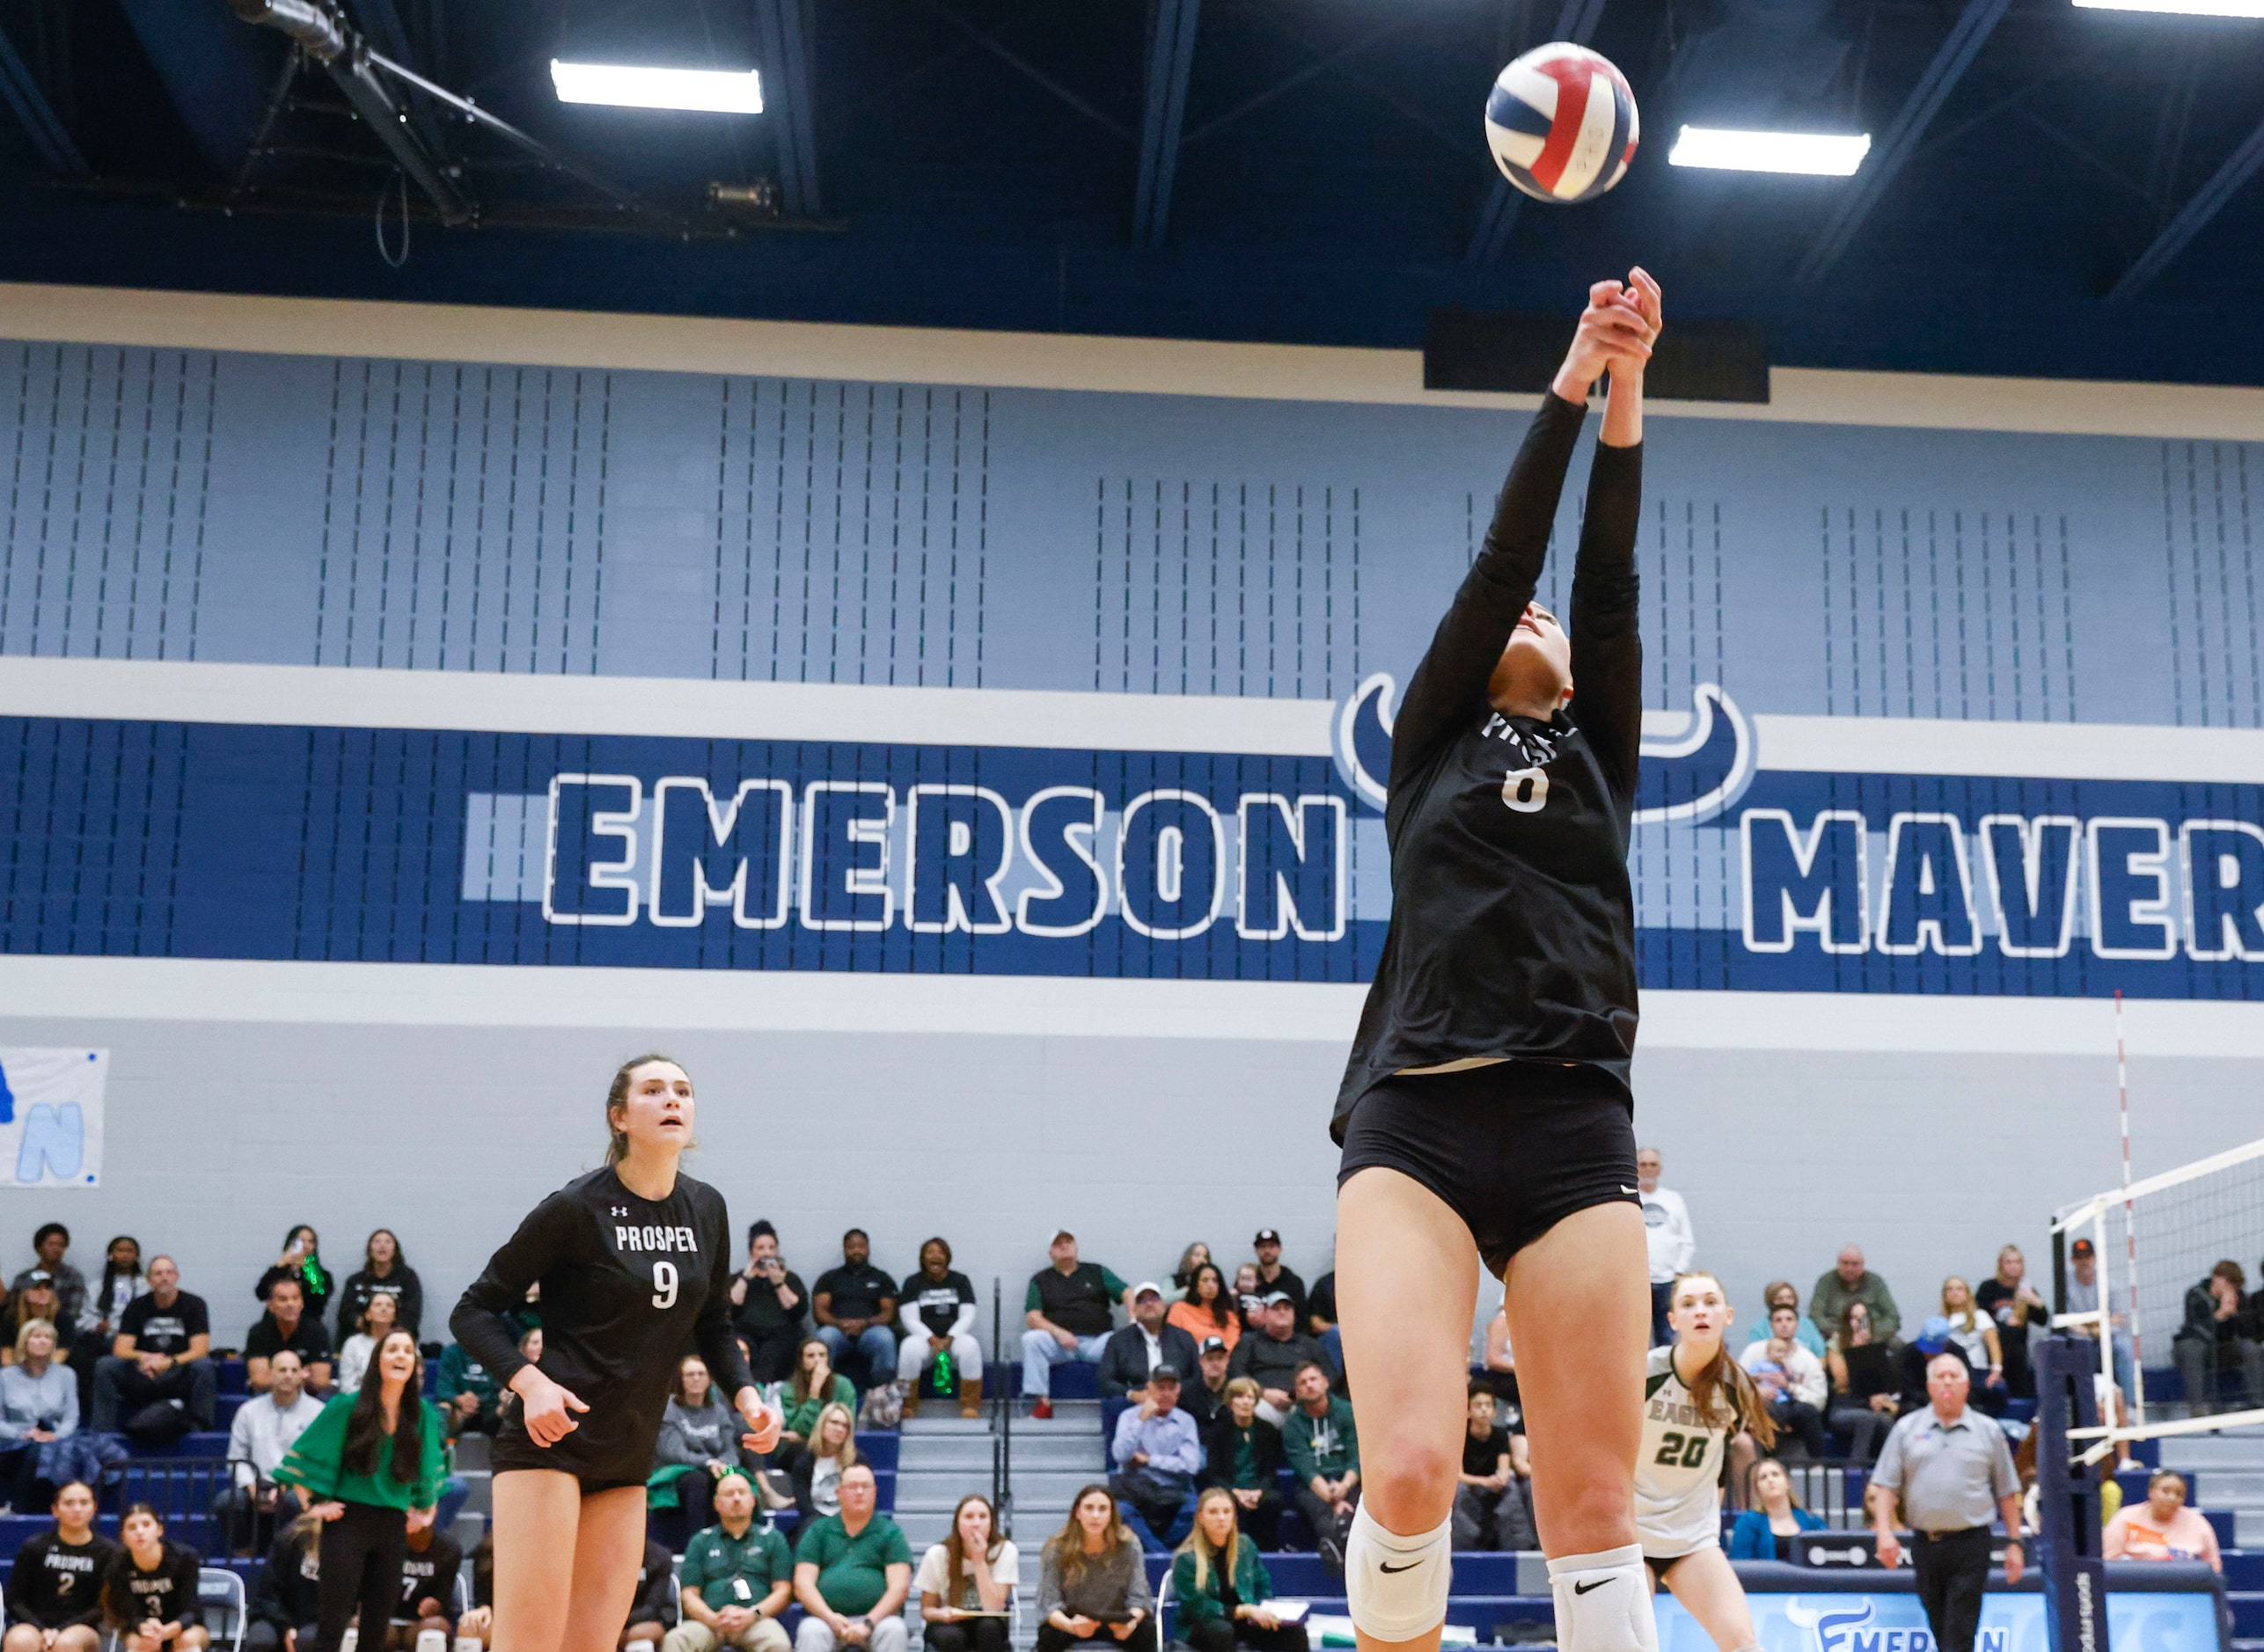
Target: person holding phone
[{"x": 771, "y": 1306}]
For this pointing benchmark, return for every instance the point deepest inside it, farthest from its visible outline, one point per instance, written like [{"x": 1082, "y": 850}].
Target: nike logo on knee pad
[
  {"x": 1409, "y": 1567},
  {"x": 1582, "y": 1589}
]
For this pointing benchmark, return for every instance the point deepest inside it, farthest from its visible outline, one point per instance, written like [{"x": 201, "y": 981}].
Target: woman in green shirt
[
  {"x": 815, "y": 1385},
  {"x": 370, "y": 1467},
  {"x": 1219, "y": 1587}
]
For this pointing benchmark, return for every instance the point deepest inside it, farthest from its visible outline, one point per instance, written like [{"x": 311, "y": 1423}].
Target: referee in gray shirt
[{"x": 1952, "y": 1469}]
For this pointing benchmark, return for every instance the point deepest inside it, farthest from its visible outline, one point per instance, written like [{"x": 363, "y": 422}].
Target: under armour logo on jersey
[{"x": 619, "y": 1210}]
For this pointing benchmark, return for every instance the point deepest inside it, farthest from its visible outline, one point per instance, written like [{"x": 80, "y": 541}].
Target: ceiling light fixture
[
  {"x": 632, "y": 86},
  {"x": 1814, "y": 154},
  {"x": 2189, "y": 8}
]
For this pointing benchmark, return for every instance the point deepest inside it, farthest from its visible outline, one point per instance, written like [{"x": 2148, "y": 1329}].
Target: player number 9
[{"x": 663, "y": 1284}]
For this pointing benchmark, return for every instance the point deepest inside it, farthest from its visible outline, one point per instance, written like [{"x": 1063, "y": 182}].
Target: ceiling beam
[
  {"x": 1497, "y": 218},
  {"x": 21, "y": 90},
  {"x": 790, "y": 94},
  {"x": 1975, "y": 25},
  {"x": 1172, "y": 26},
  {"x": 2193, "y": 217}
]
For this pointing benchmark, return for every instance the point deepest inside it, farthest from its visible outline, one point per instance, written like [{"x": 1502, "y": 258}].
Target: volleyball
[{"x": 1561, "y": 122}]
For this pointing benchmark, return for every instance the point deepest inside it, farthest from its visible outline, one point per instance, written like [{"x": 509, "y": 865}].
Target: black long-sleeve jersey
[
  {"x": 290, "y": 1595},
  {"x": 56, "y": 1584},
  {"x": 629, "y": 1286},
  {"x": 1513, "y": 922}
]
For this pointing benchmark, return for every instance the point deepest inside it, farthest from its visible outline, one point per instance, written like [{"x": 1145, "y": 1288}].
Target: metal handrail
[{"x": 1001, "y": 1419}]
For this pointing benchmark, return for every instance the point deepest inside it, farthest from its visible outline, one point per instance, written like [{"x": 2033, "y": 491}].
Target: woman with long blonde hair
[
  {"x": 1092, "y": 1590},
  {"x": 1697, "y": 1399},
  {"x": 817, "y": 1471},
  {"x": 635, "y": 1262},
  {"x": 1975, "y": 1332},
  {"x": 1220, "y": 1588}
]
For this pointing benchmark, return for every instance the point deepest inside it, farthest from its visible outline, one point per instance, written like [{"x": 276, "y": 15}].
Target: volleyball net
[{"x": 2123, "y": 1262}]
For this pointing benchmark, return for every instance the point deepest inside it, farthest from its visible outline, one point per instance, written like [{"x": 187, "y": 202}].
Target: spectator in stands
[
  {"x": 286, "y": 1325},
  {"x": 855, "y": 1305},
  {"x": 1241, "y": 1455},
  {"x": 1323, "y": 1447},
  {"x": 384, "y": 1272},
  {"x": 1766, "y": 1529},
  {"x": 301, "y": 1261},
  {"x": 771, "y": 1305},
  {"x": 480, "y": 1622},
  {"x": 429, "y": 1565},
  {"x": 1491, "y": 1507},
  {"x": 938, "y": 1314},
  {"x": 1668, "y": 1236},
  {"x": 1500, "y": 1362},
  {"x": 1130, "y": 1354},
  {"x": 1183, "y": 1277},
  {"x": 819, "y": 1469},
  {"x": 2162, "y": 1528},
  {"x": 1272, "y": 1277},
  {"x": 698, "y": 1442},
  {"x": 2219, "y": 1340},
  {"x": 1069, "y": 1309},
  {"x": 1092, "y": 1585},
  {"x": 1864, "y": 1397},
  {"x": 1249, "y": 1299},
  {"x": 736, "y": 1579},
  {"x": 35, "y": 1297},
  {"x": 1219, "y": 1587},
  {"x": 1783, "y": 1293},
  {"x": 1321, "y": 1318},
  {"x": 851, "y": 1571},
  {"x": 1204, "y": 1397},
  {"x": 1157, "y": 1454},
  {"x": 50, "y": 1244},
  {"x": 121, "y": 1282},
  {"x": 1792, "y": 1380},
  {"x": 1975, "y": 1332},
  {"x": 1272, "y": 1356},
  {"x": 2009, "y": 1299},
  {"x": 1851, "y": 1281},
  {"x": 39, "y": 1407},
  {"x": 1913, "y": 1357},
  {"x": 652, "y": 1611},
  {"x": 967, "y": 1581},
  {"x": 469, "y": 1392},
  {"x": 2083, "y": 1298},
  {"x": 286, "y": 1606},
  {"x": 265, "y": 1429},
  {"x": 815, "y": 1385},
  {"x": 55, "y": 1590},
  {"x": 1208, "y": 1308},
  {"x": 158, "y": 1376},
  {"x": 148, "y": 1590},
  {"x": 1951, "y": 1470},
  {"x": 377, "y": 1319}
]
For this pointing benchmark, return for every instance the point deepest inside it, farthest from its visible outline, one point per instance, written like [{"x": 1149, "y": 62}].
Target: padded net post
[{"x": 2068, "y": 1537}]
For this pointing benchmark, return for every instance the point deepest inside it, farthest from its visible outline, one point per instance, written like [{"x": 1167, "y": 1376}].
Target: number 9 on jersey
[{"x": 663, "y": 1284}]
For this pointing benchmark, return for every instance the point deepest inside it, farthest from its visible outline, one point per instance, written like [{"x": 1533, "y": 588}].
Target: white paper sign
[{"x": 51, "y": 1117}]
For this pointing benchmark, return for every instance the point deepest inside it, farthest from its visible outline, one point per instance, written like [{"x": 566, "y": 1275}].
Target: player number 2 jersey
[{"x": 1678, "y": 1473}]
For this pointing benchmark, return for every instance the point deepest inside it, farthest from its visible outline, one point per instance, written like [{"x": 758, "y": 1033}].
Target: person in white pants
[{"x": 935, "y": 1311}]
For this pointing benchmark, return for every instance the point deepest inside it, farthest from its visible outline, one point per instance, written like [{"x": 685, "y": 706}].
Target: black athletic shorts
[
  {"x": 599, "y": 1465},
  {"x": 1659, "y": 1568},
  {"x": 1515, "y": 1147}
]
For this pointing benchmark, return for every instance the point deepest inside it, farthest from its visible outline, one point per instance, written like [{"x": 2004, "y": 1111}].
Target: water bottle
[{"x": 943, "y": 1373}]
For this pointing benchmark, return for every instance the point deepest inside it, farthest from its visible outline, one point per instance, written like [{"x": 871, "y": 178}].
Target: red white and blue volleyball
[{"x": 1562, "y": 124}]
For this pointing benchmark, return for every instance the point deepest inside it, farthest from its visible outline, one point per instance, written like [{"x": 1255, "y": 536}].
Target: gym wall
[{"x": 962, "y": 751}]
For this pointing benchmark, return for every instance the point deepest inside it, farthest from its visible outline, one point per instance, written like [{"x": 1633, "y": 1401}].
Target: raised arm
[
  {"x": 1606, "y": 642},
  {"x": 1451, "y": 682}
]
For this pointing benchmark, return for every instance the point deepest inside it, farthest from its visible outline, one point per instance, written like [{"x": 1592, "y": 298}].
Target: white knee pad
[
  {"x": 1603, "y": 1602},
  {"x": 1397, "y": 1586}
]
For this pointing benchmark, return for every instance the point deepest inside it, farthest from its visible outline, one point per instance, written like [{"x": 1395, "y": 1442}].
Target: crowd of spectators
[{"x": 1210, "y": 1386}]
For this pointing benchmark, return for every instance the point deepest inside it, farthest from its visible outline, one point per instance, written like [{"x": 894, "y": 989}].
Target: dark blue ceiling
[{"x": 2073, "y": 198}]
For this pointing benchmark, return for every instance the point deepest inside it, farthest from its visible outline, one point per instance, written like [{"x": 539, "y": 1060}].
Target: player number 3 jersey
[{"x": 1678, "y": 1473}]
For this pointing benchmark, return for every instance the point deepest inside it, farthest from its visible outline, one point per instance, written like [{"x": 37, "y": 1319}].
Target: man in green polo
[
  {"x": 738, "y": 1577},
  {"x": 851, "y": 1572}
]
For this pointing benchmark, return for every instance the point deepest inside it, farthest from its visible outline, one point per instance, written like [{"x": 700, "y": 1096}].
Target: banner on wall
[
  {"x": 1897, "y": 1623},
  {"x": 1769, "y": 852},
  {"x": 51, "y": 1116}
]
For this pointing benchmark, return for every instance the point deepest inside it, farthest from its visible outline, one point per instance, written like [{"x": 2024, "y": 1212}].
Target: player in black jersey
[
  {"x": 1484, "y": 1114},
  {"x": 55, "y": 1592},
  {"x": 635, "y": 1262}
]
